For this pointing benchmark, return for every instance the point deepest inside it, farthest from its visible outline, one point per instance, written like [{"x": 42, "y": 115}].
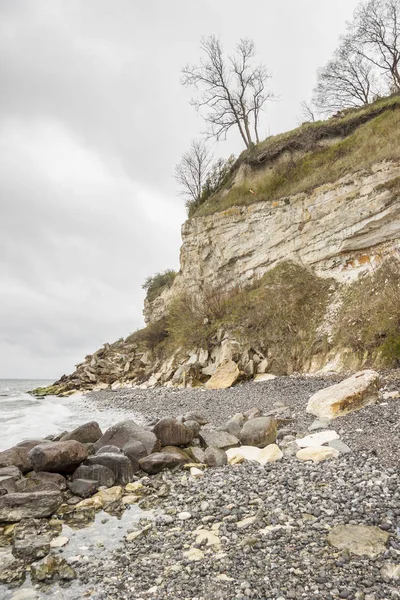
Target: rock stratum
[{"x": 341, "y": 223}]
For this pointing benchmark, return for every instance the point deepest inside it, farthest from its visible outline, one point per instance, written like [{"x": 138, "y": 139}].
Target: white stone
[
  {"x": 317, "y": 439},
  {"x": 59, "y": 542},
  {"x": 269, "y": 454},
  {"x": 196, "y": 473},
  {"x": 264, "y": 377},
  {"x": 194, "y": 554},
  {"x": 184, "y": 516},
  {"x": 350, "y": 395},
  {"x": 390, "y": 572},
  {"x": 317, "y": 453}
]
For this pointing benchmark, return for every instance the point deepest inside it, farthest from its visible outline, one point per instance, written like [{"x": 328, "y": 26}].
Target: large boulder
[
  {"x": 224, "y": 376},
  {"x": 100, "y": 473},
  {"x": 58, "y": 457},
  {"x": 87, "y": 433},
  {"x": 45, "y": 477},
  {"x": 119, "y": 464},
  {"x": 218, "y": 439},
  {"x": 16, "y": 457},
  {"x": 172, "y": 433},
  {"x": 259, "y": 432},
  {"x": 31, "y": 539},
  {"x": 125, "y": 432},
  {"x": 14, "y": 507},
  {"x": 215, "y": 457},
  {"x": 84, "y": 488},
  {"x": 154, "y": 463},
  {"x": 134, "y": 451},
  {"x": 347, "y": 396}
]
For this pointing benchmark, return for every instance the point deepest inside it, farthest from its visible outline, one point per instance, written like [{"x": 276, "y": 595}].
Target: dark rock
[
  {"x": 253, "y": 413},
  {"x": 45, "y": 477},
  {"x": 100, "y": 473},
  {"x": 52, "y": 568},
  {"x": 84, "y": 488},
  {"x": 194, "y": 426},
  {"x": 218, "y": 439},
  {"x": 12, "y": 570},
  {"x": 87, "y": 433},
  {"x": 30, "y": 484},
  {"x": 119, "y": 464},
  {"x": 109, "y": 449},
  {"x": 135, "y": 451},
  {"x": 14, "y": 507},
  {"x": 260, "y": 432},
  {"x": 125, "y": 432},
  {"x": 31, "y": 548},
  {"x": 172, "y": 433},
  {"x": 154, "y": 463},
  {"x": 62, "y": 457},
  {"x": 29, "y": 444},
  {"x": 179, "y": 452},
  {"x": 16, "y": 457},
  {"x": 196, "y": 454},
  {"x": 193, "y": 416},
  {"x": 215, "y": 457},
  {"x": 8, "y": 485}
]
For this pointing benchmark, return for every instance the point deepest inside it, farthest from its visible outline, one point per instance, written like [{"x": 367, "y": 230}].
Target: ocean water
[{"x": 23, "y": 416}]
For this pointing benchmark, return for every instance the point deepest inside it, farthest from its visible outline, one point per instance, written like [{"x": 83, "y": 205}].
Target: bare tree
[
  {"x": 376, "y": 31},
  {"x": 346, "y": 81},
  {"x": 232, "y": 90},
  {"x": 192, "y": 170},
  {"x": 307, "y": 111}
]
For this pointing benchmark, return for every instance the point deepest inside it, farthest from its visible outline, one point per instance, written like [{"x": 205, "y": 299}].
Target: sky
[{"x": 93, "y": 119}]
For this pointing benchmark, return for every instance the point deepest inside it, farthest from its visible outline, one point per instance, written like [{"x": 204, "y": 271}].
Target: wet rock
[
  {"x": 172, "y": 433},
  {"x": 154, "y": 463},
  {"x": 95, "y": 472},
  {"x": 224, "y": 376},
  {"x": 109, "y": 498},
  {"x": 135, "y": 451},
  {"x": 16, "y": 457},
  {"x": 52, "y": 568},
  {"x": 119, "y": 464},
  {"x": 45, "y": 477},
  {"x": 84, "y": 488},
  {"x": 260, "y": 432},
  {"x": 32, "y": 484},
  {"x": 359, "y": 539},
  {"x": 317, "y": 453},
  {"x": 31, "y": 548},
  {"x": 218, "y": 439},
  {"x": 215, "y": 457},
  {"x": 87, "y": 433},
  {"x": 14, "y": 507},
  {"x": 347, "y": 396},
  {"x": 125, "y": 432},
  {"x": 12, "y": 570},
  {"x": 61, "y": 457}
]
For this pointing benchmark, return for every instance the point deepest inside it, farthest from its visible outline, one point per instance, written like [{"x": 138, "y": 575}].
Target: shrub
[
  {"x": 151, "y": 336},
  {"x": 155, "y": 284},
  {"x": 369, "y": 318}
]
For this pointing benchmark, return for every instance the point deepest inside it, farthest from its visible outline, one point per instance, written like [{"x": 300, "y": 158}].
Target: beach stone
[
  {"x": 119, "y": 464},
  {"x": 238, "y": 455},
  {"x": 12, "y": 570},
  {"x": 317, "y": 439},
  {"x": 25, "y": 594},
  {"x": 110, "y": 449},
  {"x": 172, "y": 433},
  {"x": 10, "y": 472},
  {"x": 31, "y": 548},
  {"x": 225, "y": 375},
  {"x": 8, "y": 485},
  {"x": 235, "y": 424},
  {"x": 100, "y": 473},
  {"x": 317, "y": 453},
  {"x": 269, "y": 454},
  {"x": 59, "y": 542},
  {"x": 45, "y": 477},
  {"x": 196, "y": 454},
  {"x": 14, "y": 507},
  {"x": 180, "y": 453},
  {"x": 215, "y": 457},
  {"x": 350, "y": 395},
  {"x": 260, "y": 432},
  {"x": 125, "y": 432},
  {"x": 32, "y": 484},
  {"x": 194, "y": 416},
  {"x": 87, "y": 433},
  {"x": 135, "y": 451},
  {"x": 109, "y": 498},
  {"x": 196, "y": 473},
  {"x": 390, "y": 572},
  {"x": 340, "y": 446},
  {"x": 154, "y": 463},
  {"x": 218, "y": 439},
  {"x": 359, "y": 539},
  {"x": 253, "y": 413},
  {"x": 263, "y": 376},
  {"x": 52, "y": 568},
  {"x": 194, "y": 426},
  {"x": 62, "y": 457},
  {"x": 17, "y": 456},
  {"x": 84, "y": 488},
  {"x": 319, "y": 424}
]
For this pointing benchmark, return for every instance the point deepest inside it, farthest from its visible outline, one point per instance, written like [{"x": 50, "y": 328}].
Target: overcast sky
[{"x": 93, "y": 120}]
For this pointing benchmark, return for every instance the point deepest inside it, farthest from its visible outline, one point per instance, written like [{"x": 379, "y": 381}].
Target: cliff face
[{"x": 339, "y": 230}]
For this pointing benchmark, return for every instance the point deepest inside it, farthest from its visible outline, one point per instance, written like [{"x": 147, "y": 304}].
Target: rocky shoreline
[{"x": 247, "y": 495}]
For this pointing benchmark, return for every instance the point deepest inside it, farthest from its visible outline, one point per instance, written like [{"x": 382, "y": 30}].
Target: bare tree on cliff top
[
  {"x": 346, "y": 81},
  {"x": 232, "y": 91},
  {"x": 192, "y": 170},
  {"x": 376, "y": 30}
]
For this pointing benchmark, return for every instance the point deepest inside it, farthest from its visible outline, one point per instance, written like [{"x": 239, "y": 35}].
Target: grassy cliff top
[{"x": 312, "y": 155}]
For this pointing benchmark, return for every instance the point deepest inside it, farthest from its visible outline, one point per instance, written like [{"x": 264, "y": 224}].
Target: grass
[
  {"x": 299, "y": 161},
  {"x": 369, "y": 319},
  {"x": 156, "y": 284}
]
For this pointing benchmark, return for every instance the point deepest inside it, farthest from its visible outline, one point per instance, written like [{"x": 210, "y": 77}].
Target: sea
[{"x": 23, "y": 416}]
